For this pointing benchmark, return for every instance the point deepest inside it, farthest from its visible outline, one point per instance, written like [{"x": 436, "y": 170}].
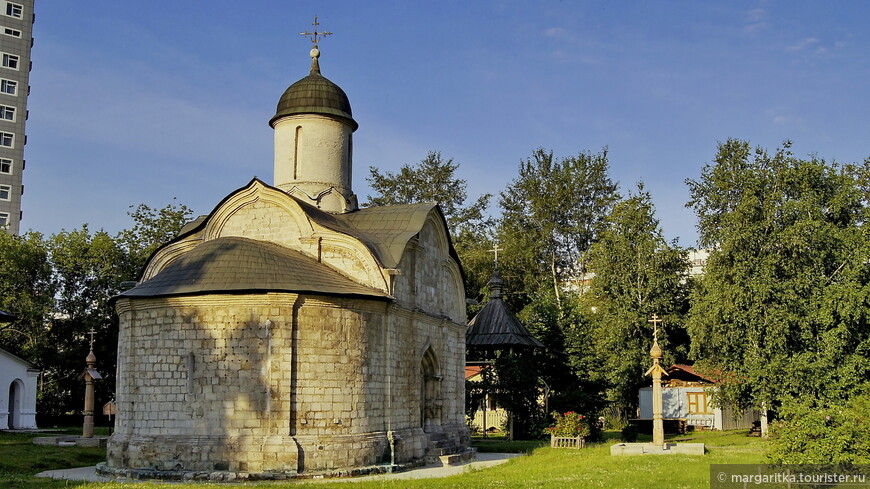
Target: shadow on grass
[{"x": 500, "y": 444}]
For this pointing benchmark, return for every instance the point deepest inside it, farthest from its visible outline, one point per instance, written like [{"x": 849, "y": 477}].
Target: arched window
[{"x": 296, "y": 142}]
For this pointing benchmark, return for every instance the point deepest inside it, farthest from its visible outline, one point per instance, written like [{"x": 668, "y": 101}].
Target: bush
[
  {"x": 828, "y": 434},
  {"x": 629, "y": 433},
  {"x": 568, "y": 424}
]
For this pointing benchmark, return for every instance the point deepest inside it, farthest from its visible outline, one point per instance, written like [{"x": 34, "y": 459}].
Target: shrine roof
[{"x": 495, "y": 327}]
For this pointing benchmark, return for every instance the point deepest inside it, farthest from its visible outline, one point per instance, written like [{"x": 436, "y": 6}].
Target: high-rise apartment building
[{"x": 16, "y": 39}]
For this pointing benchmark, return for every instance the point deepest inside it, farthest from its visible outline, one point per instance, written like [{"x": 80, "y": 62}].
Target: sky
[{"x": 168, "y": 101}]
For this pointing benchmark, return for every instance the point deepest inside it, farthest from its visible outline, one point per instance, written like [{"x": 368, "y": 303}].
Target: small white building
[
  {"x": 686, "y": 400},
  {"x": 17, "y": 392}
]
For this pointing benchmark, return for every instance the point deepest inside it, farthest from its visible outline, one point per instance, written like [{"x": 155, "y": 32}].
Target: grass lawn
[
  {"x": 20, "y": 459},
  {"x": 542, "y": 468}
]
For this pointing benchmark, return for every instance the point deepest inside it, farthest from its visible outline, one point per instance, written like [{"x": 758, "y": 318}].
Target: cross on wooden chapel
[{"x": 495, "y": 250}]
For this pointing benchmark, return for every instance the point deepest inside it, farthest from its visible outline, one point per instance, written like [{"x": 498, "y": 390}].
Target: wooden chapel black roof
[{"x": 495, "y": 327}]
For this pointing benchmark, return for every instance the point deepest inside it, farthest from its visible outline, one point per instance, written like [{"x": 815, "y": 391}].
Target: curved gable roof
[
  {"x": 234, "y": 265},
  {"x": 384, "y": 231}
]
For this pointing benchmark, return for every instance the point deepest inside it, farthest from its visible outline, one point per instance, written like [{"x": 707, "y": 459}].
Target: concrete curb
[{"x": 484, "y": 460}]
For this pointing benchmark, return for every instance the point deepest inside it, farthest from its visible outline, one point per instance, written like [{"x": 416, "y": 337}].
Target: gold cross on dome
[
  {"x": 314, "y": 35},
  {"x": 655, "y": 321},
  {"x": 495, "y": 250}
]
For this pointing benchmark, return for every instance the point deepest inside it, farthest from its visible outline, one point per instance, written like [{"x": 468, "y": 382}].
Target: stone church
[{"x": 290, "y": 332}]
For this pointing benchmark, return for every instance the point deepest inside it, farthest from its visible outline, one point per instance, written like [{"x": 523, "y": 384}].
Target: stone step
[
  {"x": 439, "y": 451},
  {"x": 447, "y": 459},
  {"x": 458, "y": 458}
]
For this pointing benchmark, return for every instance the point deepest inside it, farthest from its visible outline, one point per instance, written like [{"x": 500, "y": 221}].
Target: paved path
[{"x": 483, "y": 460}]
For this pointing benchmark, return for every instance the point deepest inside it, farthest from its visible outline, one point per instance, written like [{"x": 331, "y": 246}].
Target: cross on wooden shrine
[
  {"x": 92, "y": 333},
  {"x": 655, "y": 321},
  {"x": 314, "y": 35}
]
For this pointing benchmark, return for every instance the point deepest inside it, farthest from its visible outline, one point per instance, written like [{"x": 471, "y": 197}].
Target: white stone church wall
[
  {"x": 16, "y": 375},
  {"x": 277, "y": 382}
]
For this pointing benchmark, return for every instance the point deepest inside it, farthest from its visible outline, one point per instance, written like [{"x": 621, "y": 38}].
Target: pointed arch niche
[{"x": 430, "y": 391}]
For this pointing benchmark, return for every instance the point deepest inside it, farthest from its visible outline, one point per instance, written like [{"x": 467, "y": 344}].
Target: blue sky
[{"x": 142, "y": 102}]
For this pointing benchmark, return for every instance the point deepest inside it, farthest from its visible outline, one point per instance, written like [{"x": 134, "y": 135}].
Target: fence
[{"x": 576, "y": 442}]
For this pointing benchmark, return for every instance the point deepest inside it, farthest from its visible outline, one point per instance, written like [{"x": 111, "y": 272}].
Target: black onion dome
[{"x": 315, "y": 94}]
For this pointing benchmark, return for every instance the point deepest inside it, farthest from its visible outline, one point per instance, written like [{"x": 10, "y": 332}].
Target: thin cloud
[
  {"x": 803, "y": 44},
  {"x": 556, "y": 32},
  {"x": 753, "y": 28},
  {"x": 756, "y": 15},
  {"x": 756, "y": 21}
]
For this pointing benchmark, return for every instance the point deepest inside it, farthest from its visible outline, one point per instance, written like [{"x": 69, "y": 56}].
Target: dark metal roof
[
  {"x": 234, "y": 265},
  {"x": 384, "y": 230},
  {"x": 495, "y": 327},
  {"x": 6, "y": 317},
  {"x": 315, "y": 94}
]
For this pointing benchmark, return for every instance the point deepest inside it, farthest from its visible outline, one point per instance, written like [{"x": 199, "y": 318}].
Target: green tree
[
  {"x": 88, "y": 268},
  {"x": 551, "y": 214},
  {"x": 782, "y": 310},
  {"x": 26, "y": 290},
  {"x": 434, "y": 179},
  {"x": 151, "y": 229},
  {"x": 516, "y": 389},
  {"x": 637, "y": 274}
]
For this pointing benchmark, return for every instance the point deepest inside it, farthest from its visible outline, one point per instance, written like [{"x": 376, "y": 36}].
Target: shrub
[
  {"x": 828, "y": 434},
  {"x": 629, "y": 433},
  {"x": 568, "y": 424}
]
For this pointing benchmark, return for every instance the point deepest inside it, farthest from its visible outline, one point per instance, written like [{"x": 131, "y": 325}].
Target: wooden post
[
  {"x": 656, "y": 370},
  {"x": 658, "y": 422},
  {"x": 90, "y": 375},
  {"x": 88, "y": 428}
]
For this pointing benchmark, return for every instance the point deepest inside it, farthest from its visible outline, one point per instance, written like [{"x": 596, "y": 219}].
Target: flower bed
[{"x": 568, "y": 431}]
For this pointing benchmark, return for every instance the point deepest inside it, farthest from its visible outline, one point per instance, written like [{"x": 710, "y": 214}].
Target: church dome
[{"x": 315, "y": 94}]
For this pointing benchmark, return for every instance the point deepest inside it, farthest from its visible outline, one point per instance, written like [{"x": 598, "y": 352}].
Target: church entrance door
[{"x": 14, "y": 417}]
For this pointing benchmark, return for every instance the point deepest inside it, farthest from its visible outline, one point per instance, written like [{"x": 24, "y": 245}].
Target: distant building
[
  {"x": 489, "y": 416},
  {"x": 16, "y": 39},
  {"x": 698, "y": 261},
  {"x": 686, "y": 402},
  {"x": 17, "y": 392}
]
